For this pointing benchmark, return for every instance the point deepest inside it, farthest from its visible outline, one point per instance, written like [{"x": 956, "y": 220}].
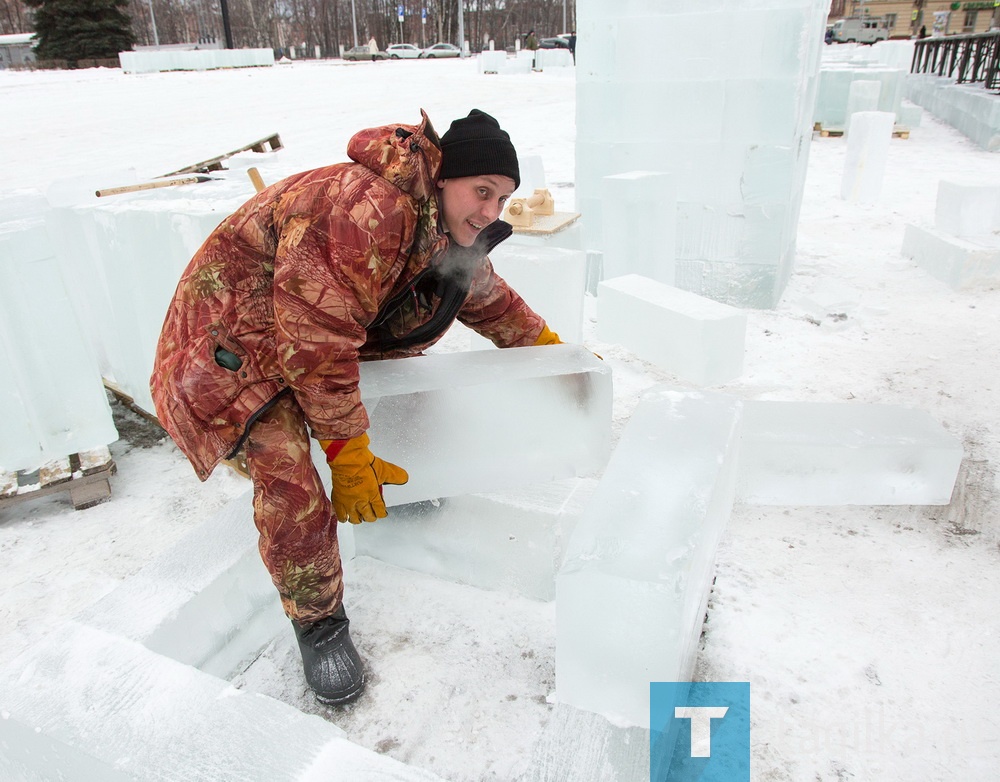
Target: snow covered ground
[{"x": 869, "y": 634}]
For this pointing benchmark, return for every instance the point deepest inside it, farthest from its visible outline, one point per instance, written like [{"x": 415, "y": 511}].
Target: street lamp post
[
  {"x": 354, "y": 19},
  {"x": 461, "y": 28}
]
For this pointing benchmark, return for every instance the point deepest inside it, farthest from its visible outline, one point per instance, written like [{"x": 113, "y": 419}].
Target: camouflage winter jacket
[{"x": 322, "y": 270}]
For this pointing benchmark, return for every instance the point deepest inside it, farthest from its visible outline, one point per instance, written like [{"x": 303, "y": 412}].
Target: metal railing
[{"x": 966, "y": 58}]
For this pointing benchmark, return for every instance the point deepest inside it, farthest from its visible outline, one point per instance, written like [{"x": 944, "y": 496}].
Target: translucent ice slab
[
  {"x": 631, "y": 594},
  {"x": 487, "y": 420},
  {"x": 960, "y": 263},
  {"x": 54, "y": 401},
  {"x": 867, "y": 153},
  {"x": 695, "y": 338},
  {"x": 813, "y": 453},
  {"x": 639, "y": 215},
  {"x": 969, "y": 211},
  {"x": 508, "y": 542}
]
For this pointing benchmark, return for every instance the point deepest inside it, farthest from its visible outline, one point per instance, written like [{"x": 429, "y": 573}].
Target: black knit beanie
[{"x": 476, "y": 145}]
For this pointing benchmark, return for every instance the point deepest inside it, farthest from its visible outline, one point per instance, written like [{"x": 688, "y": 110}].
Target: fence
[{"x": 966, "y": 58}]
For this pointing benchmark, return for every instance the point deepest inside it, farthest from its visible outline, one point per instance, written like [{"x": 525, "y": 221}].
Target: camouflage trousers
[{"x": 293, "y": 514}]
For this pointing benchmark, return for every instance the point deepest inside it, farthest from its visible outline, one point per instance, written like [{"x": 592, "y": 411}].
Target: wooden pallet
[
  {"x": 898, "y": 132},
  {"x": 270, "y": 143},
  {"x": 85, "y": 475}
]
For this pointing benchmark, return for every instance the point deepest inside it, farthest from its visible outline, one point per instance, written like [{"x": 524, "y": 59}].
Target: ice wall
[
  {"x": 122, "y": 257},
  {"x": 724, "y": 103},
  {"x": 51, "y": 394},
  {"x": 969, "y": 109},
  {"x": 193, "y": 59}
]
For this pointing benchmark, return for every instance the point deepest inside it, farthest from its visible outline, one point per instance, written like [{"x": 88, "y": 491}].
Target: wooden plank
[
  {"x": 545, "y": 225},
  {"x": 268, "y": 143}
]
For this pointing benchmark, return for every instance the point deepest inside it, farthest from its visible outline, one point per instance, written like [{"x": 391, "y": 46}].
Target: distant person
[
  {"x": 261, "y": 344},
  {"x": 572, "y": 45},
  {"x": 923, "y": 32},
  {"x": 531, "y": 41},
  {"x": 373, "y": 48}
]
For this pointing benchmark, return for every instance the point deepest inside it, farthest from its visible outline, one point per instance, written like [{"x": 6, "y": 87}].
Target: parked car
[
  {"x": 870, "y": 29},
  {"x": 553, "y": 43},
  {"x": 364, "y": 53},
  {"x": 440, "y": 50},
  {"x": 403, "y": 51}
]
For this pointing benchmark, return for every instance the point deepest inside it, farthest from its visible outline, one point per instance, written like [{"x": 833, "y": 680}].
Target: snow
[{"x": 869, "y": 634}]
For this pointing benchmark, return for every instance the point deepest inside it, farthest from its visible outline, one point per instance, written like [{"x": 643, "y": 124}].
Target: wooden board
[{"x": 548, "y": 224}]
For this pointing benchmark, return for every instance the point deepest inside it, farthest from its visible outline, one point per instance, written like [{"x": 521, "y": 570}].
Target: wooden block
[
  {"x": 55, "y": 471},
  {"x": 95, "y": 460},
  {"x": 8, "y": 484},
  {"x": 85, "y": 493}
]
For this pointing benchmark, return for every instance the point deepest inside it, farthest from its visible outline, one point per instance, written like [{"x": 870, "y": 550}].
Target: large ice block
[
  {"x": 122, "y": 257},
  {"x": 695, "y": 338},
  {"x": 632, "y": 591},
  {"x": 714, "y": 111},
  {"x": 867, "y": 153},
  {"x": 552, "y": 280},
  {"x": 961, "y": 263},
  {"x": 862, "y": 96},
  {"x": 487, "y": 420},
  {"x": 53, "y": 399},
  {"x": 966, "y": 210},
  {"x": 86, "y": 705},
  {"x": 639, "y": 213},
  {"x": 817, "y": 453},
  {"x": 508, "y": 542}
]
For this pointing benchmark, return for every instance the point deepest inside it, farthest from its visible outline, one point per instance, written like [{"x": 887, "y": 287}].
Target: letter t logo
[{"x": 701, "y": 726}]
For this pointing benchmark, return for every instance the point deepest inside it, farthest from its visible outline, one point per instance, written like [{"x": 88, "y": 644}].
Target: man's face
[{"x": 470, "y": 203}]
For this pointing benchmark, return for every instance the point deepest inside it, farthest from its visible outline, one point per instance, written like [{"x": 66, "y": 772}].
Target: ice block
[
  {"x": 639, "y": 212},
  {"x": 632, "y": 591},
  {"x": 551, "y": 280},
  {"x": 487, "y": 420},
  {"x": 819, "y": 453},
  {"x": 695, "y": 338},
  {"x": 867, "y": 153},
  {"x": 508, "y": 542},
  {"x": 968, "y": 211}
]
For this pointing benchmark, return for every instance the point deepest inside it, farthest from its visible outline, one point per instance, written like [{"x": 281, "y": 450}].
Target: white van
[{"x": 867, "y": 30}]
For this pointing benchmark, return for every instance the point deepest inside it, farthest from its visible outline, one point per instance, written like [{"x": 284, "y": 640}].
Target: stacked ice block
[
  {"x": 52, "y": 398},
  {"x": 837, "y": 82},
  {"x": 968, "y": 108},
  {"x": 123, "y": 256},
  {"x": 727, "y": 114},
  {"x": 963, "y": 247}
]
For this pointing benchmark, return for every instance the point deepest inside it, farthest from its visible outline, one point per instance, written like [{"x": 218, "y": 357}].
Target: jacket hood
[{"x": 408, "y": 156}]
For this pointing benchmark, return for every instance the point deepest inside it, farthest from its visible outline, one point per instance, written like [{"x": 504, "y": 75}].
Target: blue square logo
[{"x": 699, "y": 732}]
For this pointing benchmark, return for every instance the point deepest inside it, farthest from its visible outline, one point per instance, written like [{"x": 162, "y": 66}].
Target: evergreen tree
[{"x": 81, "y": 29}]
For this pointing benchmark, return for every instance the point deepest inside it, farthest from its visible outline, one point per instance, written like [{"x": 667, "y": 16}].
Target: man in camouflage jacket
[{"x": 261, "y": 344}]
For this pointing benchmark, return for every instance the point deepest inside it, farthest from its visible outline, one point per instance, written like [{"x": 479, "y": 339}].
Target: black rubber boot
[{"x": 332, "y": 665}]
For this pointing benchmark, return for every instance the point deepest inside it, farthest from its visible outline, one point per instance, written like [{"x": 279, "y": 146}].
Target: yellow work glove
[
  {"x": 548, "y": 337},
  {"x": 358, "y": 476}
]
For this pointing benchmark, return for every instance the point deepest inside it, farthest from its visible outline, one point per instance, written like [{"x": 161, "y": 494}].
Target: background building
[{"x": 940, "y": 17}]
